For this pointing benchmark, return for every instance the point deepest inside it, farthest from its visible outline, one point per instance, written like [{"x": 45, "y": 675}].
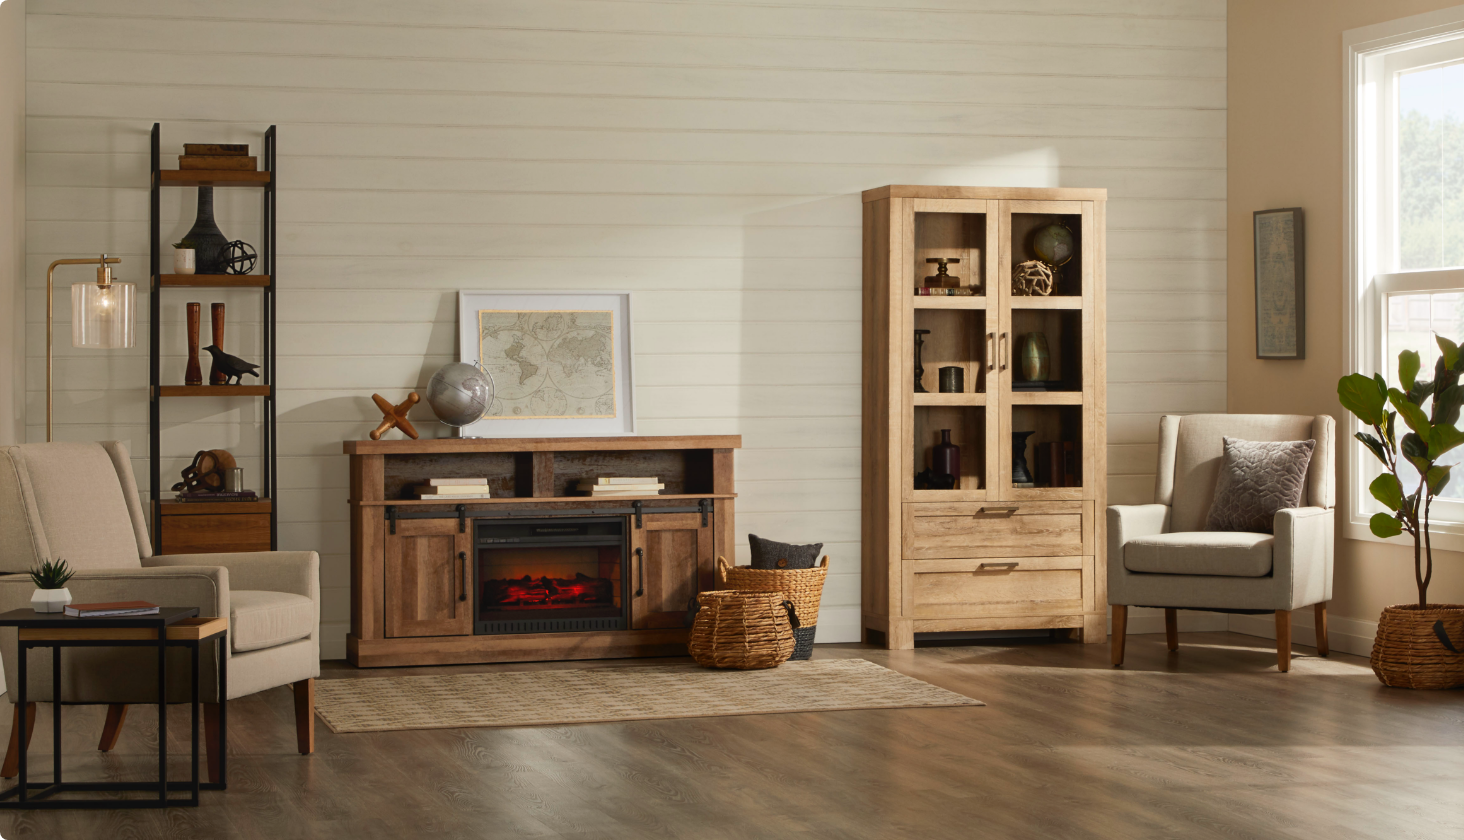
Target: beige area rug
[{"x": 594, "y": 695}]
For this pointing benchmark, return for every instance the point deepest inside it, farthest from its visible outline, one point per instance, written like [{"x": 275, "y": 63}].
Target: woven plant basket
[
  {"x": 1411, "y": 649},
  {"x": 743, "y": 630},
  {"x": 804, "y": 587}
]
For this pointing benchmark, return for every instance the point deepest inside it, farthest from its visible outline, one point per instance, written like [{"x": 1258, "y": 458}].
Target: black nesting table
[{"x": 171, "y": 627}]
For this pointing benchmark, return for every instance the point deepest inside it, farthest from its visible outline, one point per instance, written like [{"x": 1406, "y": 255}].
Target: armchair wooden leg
[
  {"x": 1120, "y": 630},
  {"x": 116, "y": 715},
  {"x": 11, "y": 769},
  {"x": 212, "y": 746},
  {"x": 1283, "y": 640},
  {"x": 1171, "y": 627},
  {"x": 305, "y": 716},
  {"x": 1321, "y": 613}
]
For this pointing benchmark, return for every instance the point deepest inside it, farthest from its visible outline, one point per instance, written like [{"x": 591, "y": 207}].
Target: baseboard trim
[
  {"x": 1348, "y": 635},
  {"x": 1145, "y": 620}
]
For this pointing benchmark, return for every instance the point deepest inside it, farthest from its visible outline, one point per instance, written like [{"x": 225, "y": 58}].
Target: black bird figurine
[{"x": 232, "y": 367}]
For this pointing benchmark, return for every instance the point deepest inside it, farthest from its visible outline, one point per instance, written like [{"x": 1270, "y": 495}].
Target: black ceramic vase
[
  {"x": 210, "y": 246},
  {"x": 945, "y": 461},
  {"x": 1020, "y": 473}
]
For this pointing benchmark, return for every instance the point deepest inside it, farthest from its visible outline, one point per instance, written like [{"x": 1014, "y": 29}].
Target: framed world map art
[
  {"x": 1280, "y": 284},
  {"x": 561, "y": 362}
]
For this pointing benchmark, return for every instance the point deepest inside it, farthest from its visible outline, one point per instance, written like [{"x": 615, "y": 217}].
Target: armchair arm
[
  {"x": 1125, "y": 522},
  {"x": 297, "y": 572},
  {"x": 1303, "y": 554}
]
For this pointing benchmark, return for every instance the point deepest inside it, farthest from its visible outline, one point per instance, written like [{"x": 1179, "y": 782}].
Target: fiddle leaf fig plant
[{"x": 1430, "y": 434}]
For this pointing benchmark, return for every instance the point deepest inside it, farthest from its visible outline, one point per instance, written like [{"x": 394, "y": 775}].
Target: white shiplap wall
[{"x": 707, "y": 155}]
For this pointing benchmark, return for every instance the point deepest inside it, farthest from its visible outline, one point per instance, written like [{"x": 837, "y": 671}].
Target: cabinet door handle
[
  {"x": 1006, "y": 355},
  {"x": 640, "y": 572},
  {"x": 991, "y": 352},
  {"x": 1006, "y": 509},
  {"x": 1011, "y": 565},
  {"x": 463, "y": 556}
]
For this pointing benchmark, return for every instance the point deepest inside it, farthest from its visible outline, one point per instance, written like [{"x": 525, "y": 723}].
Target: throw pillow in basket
[
  {"x": 770, "y": 554},
  {"x": 1258, "y": 478}
]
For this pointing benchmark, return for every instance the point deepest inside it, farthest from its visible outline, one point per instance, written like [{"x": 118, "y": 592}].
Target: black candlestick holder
[{"x": 920, "y": 368}]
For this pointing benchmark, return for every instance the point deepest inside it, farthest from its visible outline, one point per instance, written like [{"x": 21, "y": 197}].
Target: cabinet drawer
[
  {"x": 215, "y": 533},
  {"x": 997, "y": 529},
  {"x": 970, "y": 588}
]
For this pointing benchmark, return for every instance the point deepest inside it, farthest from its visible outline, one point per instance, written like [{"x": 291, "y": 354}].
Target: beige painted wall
[
  {"x": 1287, "y": 141},
  {"x": 12, "y": 221}
]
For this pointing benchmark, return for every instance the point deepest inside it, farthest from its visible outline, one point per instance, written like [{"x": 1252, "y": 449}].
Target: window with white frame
[{"x": 1406, "y": 231}]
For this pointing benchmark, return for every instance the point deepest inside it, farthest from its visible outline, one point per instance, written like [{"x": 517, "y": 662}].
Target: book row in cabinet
[{"x": 984, "y": 405}]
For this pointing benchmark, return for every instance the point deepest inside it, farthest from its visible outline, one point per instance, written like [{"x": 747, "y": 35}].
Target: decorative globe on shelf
[
  {"x": 1053, "y": 244},
  {"x": 459, "y": 393}
]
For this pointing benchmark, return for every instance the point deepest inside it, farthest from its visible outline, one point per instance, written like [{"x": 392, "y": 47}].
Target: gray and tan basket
[{"x": 804, "y": 587}]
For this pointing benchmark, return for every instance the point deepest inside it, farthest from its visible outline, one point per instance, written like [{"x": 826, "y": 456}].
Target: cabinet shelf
[
  {"x": 539, "y": 500},
  {"x": 1050, "y": 302},
  {"x": 213, "y": 390},
  {"x": 214, "y": 281},
  {"x": 1046, "y": 398},
  {"x": 950, "y": 399},
  {"x": 940, "y": 302},
  {"x": 212, "y": 178}
]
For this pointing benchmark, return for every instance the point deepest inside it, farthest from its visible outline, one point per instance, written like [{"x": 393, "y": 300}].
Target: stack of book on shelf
[
  {"x": 111, "y": 609},
  {"x": 621, "y": 486},
  {"x": 217, "y": 496},
  {"x": 452, "y": 488},
  {"x": 231, "y": 156}
]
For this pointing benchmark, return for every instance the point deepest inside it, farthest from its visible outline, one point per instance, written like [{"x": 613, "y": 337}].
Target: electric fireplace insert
[{"x": 549, "y": 575}]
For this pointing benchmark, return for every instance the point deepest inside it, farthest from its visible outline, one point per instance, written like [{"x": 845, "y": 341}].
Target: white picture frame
[{"x": 523, "y": 386}]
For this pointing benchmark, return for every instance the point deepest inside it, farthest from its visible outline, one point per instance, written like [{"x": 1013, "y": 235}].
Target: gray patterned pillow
[
  {"x": 1258, "y": 478},
  {"x": 770, "y": 554}
]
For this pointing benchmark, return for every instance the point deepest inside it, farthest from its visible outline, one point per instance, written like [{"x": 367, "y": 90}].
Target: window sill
[{"x": 1447, "y": 536}]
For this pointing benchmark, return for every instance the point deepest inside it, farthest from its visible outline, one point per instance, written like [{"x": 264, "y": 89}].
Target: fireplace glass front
[{"x": 550, "y": 575}]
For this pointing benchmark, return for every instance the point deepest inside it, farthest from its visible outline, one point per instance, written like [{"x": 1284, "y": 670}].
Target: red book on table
[{"x": 111, "y": 608}]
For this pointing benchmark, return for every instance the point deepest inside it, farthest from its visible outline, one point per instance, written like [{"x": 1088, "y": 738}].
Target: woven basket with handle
[
  {"x": 744, "y": 630},
  {"x": 804, "y": 587},
  {"x": 1420, "y": 648}
]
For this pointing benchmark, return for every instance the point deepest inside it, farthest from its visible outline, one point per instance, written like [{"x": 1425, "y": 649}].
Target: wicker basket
[
  {"x": 1408, "y": 651},
  {"x": 744, "y": 630},
  {"x": 804, "y": 587}
]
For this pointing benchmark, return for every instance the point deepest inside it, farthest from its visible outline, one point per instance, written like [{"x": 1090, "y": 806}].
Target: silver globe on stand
[{"x": 459, "y": 393}]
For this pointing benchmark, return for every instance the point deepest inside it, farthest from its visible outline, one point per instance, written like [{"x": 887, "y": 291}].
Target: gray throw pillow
[
  {"x": 768, "y": 554},
  {"x": 1258, "y": 478}
]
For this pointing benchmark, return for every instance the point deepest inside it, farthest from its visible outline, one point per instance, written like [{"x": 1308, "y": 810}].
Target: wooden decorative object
[
  {"x": 395, "y": 416},
  {"x": 217, "y": 376},
  {"x": 207, "y": 471},
  {"x": 1033, "y": 277},
  {"x": 742, "y": 630},
  {"x": 987, "y": 554},
  {"x": 194, "y": 374}
]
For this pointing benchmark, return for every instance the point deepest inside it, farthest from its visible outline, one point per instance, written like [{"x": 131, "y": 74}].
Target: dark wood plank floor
[{"x": 1209, "y": 742}]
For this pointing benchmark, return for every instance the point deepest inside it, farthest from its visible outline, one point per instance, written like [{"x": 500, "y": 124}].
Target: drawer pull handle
[
  {"x": 1011, "y": 565},
  {"x": 1008, "y": 510}
]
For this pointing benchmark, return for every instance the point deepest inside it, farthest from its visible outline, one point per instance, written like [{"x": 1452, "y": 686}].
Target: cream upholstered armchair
[
  {"x": 79, "y": 502},
  {"x": 1159, "y": 555}
]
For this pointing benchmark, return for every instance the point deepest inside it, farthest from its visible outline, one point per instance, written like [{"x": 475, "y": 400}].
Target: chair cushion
[
  {"x": 1258, "y": 478},
  {"x": 1225, "y": 553},
  {"x": 260, "y": 619}
]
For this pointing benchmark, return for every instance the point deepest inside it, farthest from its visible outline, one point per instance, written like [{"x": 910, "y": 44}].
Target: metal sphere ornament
[
  {"x": 460, "y": 393},
  {"x": 1033, "y": 277},
  {"x": 240, "y": 258},
  {"x": 1054, "y": 244}
]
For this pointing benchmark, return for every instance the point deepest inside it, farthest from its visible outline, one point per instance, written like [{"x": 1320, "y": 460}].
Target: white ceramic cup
[{"x": 182, "y": 260}]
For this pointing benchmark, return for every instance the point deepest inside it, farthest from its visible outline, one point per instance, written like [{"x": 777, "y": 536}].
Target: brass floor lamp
[{"x": 102, "y": 315}]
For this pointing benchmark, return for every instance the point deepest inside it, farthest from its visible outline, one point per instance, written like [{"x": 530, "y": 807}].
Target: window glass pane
[
  {"x": 1413, "y": 319},
  {"x": 1431, "y": 168}
]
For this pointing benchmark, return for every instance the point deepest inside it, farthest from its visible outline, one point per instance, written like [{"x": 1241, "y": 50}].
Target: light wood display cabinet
[{"x": 982, "y": 548}]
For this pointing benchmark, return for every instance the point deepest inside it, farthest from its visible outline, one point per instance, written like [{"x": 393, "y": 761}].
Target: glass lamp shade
[{"x": 102, "y": 316}]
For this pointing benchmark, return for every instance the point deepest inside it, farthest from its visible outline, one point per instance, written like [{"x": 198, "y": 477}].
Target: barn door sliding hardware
[{"x": 637, "y": 510}]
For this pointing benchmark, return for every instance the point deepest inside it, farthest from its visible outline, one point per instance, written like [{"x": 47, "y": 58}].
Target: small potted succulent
[
  {"x": 183, "y": 257},
  {"x": 1417, "y": 645},
  {"x": 51, "y": 595}
]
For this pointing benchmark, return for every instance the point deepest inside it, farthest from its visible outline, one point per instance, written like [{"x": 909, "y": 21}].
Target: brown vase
[
  {"x": 1411, "y": 649},
  {"x": 216, "y": 312},
  {"x": 194, "y": 374}
]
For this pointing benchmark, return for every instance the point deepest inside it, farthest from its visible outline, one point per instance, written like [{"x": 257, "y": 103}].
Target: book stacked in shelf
[
  {"x": 621, "y": 486},
  {"x": 446, "y": 489},
  {"x": 936, "y": 291},
  {"x": 111, "y": 609},
  {"x": 217, "y": 496},
  {"x": 215, "y": 156}
]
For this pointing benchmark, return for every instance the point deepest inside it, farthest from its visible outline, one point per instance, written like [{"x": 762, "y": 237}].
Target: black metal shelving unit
[{"x": 265, "y": 180}]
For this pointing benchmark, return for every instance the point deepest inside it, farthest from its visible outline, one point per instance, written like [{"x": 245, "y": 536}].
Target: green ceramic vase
[{"x": 1035, "y": 358}]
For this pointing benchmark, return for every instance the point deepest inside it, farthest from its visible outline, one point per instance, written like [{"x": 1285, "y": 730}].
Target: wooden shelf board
[
  {"x": 1047, "y": 398},
  {"x": 173, "y": 507},
  {"x": 211, "y": 178},
  {"x": 617, "y": 443},
  {"x": 215, "y": 281},
  {"x": 977, "y": 495},
  {"x": 1053, "y": 302},
  {"x": 538, "y": 500},
  {"x": 950, "y": 399},
  {"x": 971, "y": 302},
  {"x": 213, "y": 390}
]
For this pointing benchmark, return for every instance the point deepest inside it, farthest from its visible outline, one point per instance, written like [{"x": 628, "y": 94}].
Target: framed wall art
[
  {"x": 562, "y": 362},
  {"x": 1280, "y": 284}
]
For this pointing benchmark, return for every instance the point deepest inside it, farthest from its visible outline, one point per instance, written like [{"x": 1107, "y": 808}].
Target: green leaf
[
  {"x": 1446, "y": 405},
  {"x": 1387, "y": 489},
  {"x": 1438, "y": 479},
  {"x": 1415, "y": 451},
  {"x": 1412, "y": 414},
  {"x": 1385, "y": 525},
  {"x": 1443, "y": 438},
  {"x": 1373, "y": 444},
  {"x": 1422, "y": 389},
  {"x": 1450, "y": 352},
  {"x": 1408, "y": 365},
  {"x": 1391, "y": 430},
  {"x": 1363, "y": 397}
]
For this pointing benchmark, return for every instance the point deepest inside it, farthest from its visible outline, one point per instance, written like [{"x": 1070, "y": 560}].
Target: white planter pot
[
  {"x": 50, "y": 600},
  {"x": 183, "y": 260}
]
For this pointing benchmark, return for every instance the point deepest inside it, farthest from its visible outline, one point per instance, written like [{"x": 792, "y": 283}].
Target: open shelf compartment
[
  {"x": 960, "y": 236},
  {"x": 1068, "y": 277},
  {"x": 1054, "y": 452},
  {"x": 967, "y": 425}
]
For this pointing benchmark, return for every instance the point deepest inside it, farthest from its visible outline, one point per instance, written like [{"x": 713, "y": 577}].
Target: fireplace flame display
[{"x": 545, "y": 592}]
